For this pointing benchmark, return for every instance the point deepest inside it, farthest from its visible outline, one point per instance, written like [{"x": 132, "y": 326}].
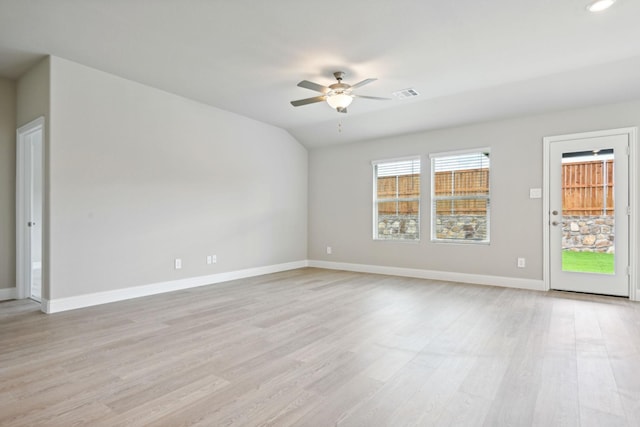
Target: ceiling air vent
[{"x": 406, "y": 93}]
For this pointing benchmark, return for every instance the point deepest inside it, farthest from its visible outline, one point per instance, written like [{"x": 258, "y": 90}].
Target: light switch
[{"x": 535, "y": 193}]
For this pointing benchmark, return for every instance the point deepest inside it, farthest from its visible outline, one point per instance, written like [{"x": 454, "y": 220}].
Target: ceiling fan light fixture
[
  {"x": 339, "y": 100},
  {"x": 337, "y": 95},
  {"x": 600, "y": 5}
]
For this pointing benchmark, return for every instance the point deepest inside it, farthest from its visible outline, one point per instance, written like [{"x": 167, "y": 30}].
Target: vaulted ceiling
[{"x": 469, "y": 60}]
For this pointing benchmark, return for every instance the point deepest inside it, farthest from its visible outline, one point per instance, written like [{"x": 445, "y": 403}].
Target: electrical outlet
[
  {"x": 214, "y": 259},
  {"x": 329, "y": 250},
  {"x": 521, "y": 263},
  {"x": 209, "y": 259},
  {"x": 178, "y": 263}
]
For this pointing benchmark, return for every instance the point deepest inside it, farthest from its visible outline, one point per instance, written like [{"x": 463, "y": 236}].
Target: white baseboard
[
  {"x": 88, "y": 300},
  {"x": 506, "y": 282},
  {"x": 8, "y": 293}
]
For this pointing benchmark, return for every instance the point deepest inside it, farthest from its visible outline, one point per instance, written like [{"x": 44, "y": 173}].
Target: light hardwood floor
[{"x": 321, "y": 348}]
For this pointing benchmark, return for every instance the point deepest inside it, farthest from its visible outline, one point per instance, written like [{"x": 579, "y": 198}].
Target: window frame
[
  {"x": 376, "y": 201},
  {"x": 432, "y": 209}
]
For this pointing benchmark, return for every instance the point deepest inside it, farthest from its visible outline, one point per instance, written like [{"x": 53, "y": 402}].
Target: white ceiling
[{"x": 470, "y": 60}]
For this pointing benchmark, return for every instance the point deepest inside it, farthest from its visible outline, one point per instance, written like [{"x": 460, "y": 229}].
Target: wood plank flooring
[{"x": 315, "y": 347}]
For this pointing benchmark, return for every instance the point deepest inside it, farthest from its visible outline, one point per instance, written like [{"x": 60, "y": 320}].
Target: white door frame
[
  {"x": 632, "y": 133},
  {"x": 23, "y": 241}
]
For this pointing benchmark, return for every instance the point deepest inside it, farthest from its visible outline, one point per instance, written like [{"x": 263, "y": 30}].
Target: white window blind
[
  {"x": 461, "y": 162},
  {"x": 397, "y": 168}
]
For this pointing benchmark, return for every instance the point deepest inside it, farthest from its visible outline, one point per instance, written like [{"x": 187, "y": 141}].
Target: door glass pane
[{"x": 588, "y": 211}]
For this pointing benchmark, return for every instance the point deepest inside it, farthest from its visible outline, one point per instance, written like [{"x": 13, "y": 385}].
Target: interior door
[
  {"x": 589, "y": 222},
  {"x": 29, "y": 209}
]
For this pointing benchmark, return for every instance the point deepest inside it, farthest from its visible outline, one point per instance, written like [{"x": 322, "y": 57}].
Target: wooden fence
[
  {"x": 469, "y": 182},
  {"x": 462, "y": 183},
  {"x": 586, "y": 190},
  {"x": 403, "y": 186}
]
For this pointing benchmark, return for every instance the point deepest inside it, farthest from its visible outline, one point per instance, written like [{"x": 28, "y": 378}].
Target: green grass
[{"x": 587, "y": 262}]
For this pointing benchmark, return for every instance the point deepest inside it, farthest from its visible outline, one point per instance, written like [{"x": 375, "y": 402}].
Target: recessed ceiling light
[{"x": 600, "y": 5}]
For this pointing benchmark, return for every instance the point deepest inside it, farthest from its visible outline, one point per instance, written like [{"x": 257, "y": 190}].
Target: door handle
[
  {"x": 555, "y": 223},
  {"x": 31, "y": 224}
]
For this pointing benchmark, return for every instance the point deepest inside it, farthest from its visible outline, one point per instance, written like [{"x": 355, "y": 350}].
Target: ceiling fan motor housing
[{"x": 339, "y": 87}]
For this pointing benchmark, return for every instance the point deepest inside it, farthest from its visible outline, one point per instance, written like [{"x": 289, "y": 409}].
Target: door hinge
[
  {"x": 628, "y": 150},
  {"x": 628, "y": 270},
  {"x": 628, "y": 210}
]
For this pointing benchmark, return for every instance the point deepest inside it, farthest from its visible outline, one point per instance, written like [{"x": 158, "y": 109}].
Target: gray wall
[
  {"x": 33, "y": 93},
  {"x": 7, "y": 183},
  {"x": 340, "y": 193},
  {"x": 139, "y": 177}
]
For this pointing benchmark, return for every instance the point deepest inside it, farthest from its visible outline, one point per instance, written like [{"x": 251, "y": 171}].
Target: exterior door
[{"x": 589, "y": 214}]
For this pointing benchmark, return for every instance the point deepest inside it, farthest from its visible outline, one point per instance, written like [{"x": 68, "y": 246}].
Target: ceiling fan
[{"x": 338, "y": 95}]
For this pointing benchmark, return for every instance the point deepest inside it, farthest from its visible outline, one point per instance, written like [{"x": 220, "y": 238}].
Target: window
[
  {"x": 460, "y": 196},
  {"x": 396, "y": 199}
]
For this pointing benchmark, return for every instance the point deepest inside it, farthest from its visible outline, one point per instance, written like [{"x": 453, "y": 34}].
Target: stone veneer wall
[
  {"x": 461, "y": 227},
  {"x": 407, "y": 227},
  {"x": 588, "y": 233},
  {"x": 404, "y": 227}
]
